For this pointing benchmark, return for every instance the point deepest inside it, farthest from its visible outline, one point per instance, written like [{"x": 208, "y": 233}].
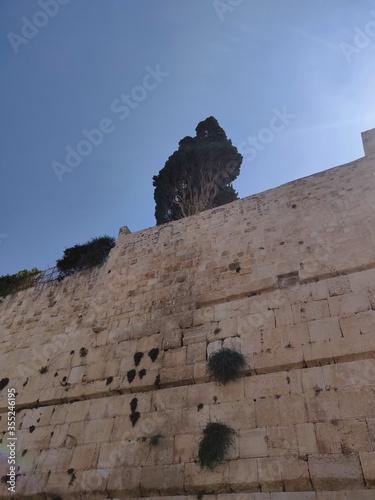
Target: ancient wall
[{"x": 287, "y": 277}]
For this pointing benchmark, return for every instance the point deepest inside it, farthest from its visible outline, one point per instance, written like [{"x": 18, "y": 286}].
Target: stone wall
[{"x": 109, "y": 365}]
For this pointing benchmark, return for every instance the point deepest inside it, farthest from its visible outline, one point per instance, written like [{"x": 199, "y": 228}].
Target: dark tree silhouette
[{"x": 198, "y": 176}]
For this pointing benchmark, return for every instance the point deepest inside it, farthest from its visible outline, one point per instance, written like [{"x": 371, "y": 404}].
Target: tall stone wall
[{"x": 109, "y": 365}]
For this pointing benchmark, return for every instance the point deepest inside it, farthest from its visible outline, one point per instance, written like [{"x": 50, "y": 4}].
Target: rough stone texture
[{"x": 301, "y": 308}]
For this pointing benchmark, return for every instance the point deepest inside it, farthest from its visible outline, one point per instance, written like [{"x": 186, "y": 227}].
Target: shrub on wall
[
  {"x": 224, "y": 365},
  {"x": 81, "y": 257},
  {"x": 12, "y": 283},
  {"x": 217, "y": 437}
]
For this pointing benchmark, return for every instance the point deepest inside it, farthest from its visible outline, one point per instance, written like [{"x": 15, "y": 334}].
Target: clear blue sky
[{"x": 65, "y": 68}]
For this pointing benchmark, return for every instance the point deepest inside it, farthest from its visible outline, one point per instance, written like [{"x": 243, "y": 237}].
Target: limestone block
[
  {"x": 203, "y": 315},
  {"x": 314, "y": 310},
  {"x": 123, "y": 453},
  {"x": 306, "y": 438},
  {"x": 318, "y": 353},
  {"x": 194, "y": 335},
  {"x": 232, "y": 343},
  {"x": 200, "y": 372},
  {"x": 368, "y": 466},
  {"x": 59, "y": 435},
  {"x": 196, "y": 353},
  {"x": 253, "y": 443},
  {"x": 357, "y": 402},
  {"x": 32, "y": 484},
  {"x": 93, "y": 482},
  {"x": 335, "y": 472},
  {"x": 201, "y": 394},
  {"x": 366, "y": 321},
  {"x": 322, "y": 406},
  {"x": 267, "y": 412},
  {"x": 185, "y": 448},
  {"x": 227, "y": 327},
  {"x": 77, "y": 411},
  {"x": 168, "y": 480},
  {"x": 281, "y": 440},
  {"x": 76, "y": 375},
  {"x": 243, "y": 475},
  {"x": 308, "y": 495},
  {"x": 328, "y": 438},
  {"x": 85, "y": 457},
  {"x": 161, "y": 452},
  {"x": 240, "y": 415},
  {"x": 279, "y": 359},
  {"x": 284, "y": 315},
  {"x": 98, "y": 430},
  {"x": 294, "y": 473},
  {"x": 350, "y": 327},
  {"x": 174, "y": 357},
  {"x": 362, "y": 280},
  {"x": 199, "y": 480},
  {"x": 371, "y": 428},
  {"x": 75, "y": 434},
  {"x": 356, "y": 373},
  {"x": 213, "y": 347},
  {"x": 349, "y": 304},
  {"x": 338, "y": 286},
  {"x": 125, "y": 479},
  {"x": 176, "y": 375},
  {"x": 269, "y": 474},
  {"x": 173, "y": 397},
  {"x": 312, "y": 378},
  {"x": 270, "y": 384},
  {"x": 324, "y": 329},
  {"x": 292, "y": 409}
]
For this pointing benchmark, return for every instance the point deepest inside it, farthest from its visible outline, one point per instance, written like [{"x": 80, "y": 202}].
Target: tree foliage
[
  {"x": 198, "y": 176},
  {"x": 12, "y": 283},
  {"x": 80, "y": 257}
]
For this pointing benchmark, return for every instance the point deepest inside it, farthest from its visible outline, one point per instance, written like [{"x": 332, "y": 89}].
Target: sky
[{"x": 96, "y": 95}]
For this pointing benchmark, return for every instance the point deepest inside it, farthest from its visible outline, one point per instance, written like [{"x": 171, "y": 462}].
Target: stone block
[
  {"x": 270, "y": 384},
  {"x": 203, "y": 316},
  {"x": 253, "y": 443},
  {"x": 281, "y": 440},
  {"x": 85, "y": 457},
  {"x": 368, "y": 466},
  {"x": 196, "y": 353},
  {"x": 165, "y": 480},
  {"x": 335, "y": 472},
  {"x": 355, "y": 374},
  {"x": 322, "y": 406},
  {"x": 174, "y": 357},
  {"x": 98, "y": 430},
  {"x": 203, "y": 480},
  {"x": 125, "y": 480},
  {"x": 213, "y": 347},
  {"x": 77, "y": 411},
  {"x": 357, "y": 402},
  {"x": 243, "y": 475},
  {"x": 279, "y": 359},
  {"x": 325, "y": 329},
  {"x": 306, "y": 439},
  {"x": 267, "y": 412},
  {"x": 295, "y": 473},
  {"x": 338, "y": 286},
  {"x": 318, "y": 353},
  {"x": 185, "y": 448},
  {"x": 269, "y": 474},
  {"x": 292, "y": 409}
]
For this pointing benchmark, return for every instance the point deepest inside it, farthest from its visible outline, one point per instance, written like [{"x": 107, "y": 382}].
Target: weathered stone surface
[{"x": 111, "y": 381}]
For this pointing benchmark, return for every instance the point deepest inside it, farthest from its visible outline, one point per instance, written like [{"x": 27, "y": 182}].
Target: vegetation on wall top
[
  {"x": 81, "y": 257},
  {"x": 12, "y": 283}
]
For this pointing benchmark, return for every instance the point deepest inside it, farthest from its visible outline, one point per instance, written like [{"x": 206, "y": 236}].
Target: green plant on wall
[
  {"x": 81, "y": 257},
  {"x": 217, "y": 438},
  {"x": 12, "y": 283},
  {"x": 225, "y": 365}
]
